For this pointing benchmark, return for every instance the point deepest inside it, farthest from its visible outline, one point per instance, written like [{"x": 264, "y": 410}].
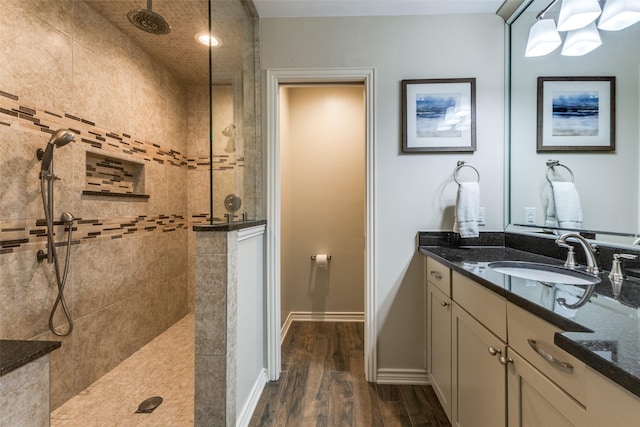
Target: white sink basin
[{"x": 543, "y": 273}]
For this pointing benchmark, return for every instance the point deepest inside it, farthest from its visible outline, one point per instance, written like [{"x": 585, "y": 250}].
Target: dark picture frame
[
  {"x": 439, "y": 115},
  {"x": 576, "y": 114}
]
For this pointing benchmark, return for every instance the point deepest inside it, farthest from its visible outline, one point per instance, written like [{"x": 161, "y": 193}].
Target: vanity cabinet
[
  {"x": 493, "y": 363},
  {"x": 546, "y": 384},
  {"x": 438, "y": 280},
  {"x": 479, "y": 340},
  {"x": 534, "y": 400},
  {"x": 478, "y": 375},
  {"x": 610, "y": 404}
]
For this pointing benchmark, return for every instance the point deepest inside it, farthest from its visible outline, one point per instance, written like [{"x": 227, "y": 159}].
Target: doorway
[
  {"x": 276, "y": 80},
  {"x": 322, "y": 183}
]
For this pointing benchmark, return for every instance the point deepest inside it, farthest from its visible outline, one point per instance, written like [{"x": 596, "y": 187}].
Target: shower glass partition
[{"x": 234, "y": 149}]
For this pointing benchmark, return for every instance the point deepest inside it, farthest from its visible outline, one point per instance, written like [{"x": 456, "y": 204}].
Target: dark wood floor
[{"x": 322, "y": 384}]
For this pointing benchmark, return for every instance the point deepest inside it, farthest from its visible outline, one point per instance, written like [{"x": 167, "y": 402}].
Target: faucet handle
[
  {"x": 571, "y": 256},
  {"x": 624, "y": 256},
  {"x": 616, "y": 275}
]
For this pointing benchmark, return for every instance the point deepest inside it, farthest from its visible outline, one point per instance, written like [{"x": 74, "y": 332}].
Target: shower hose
[{"x": 60, "y": 279}]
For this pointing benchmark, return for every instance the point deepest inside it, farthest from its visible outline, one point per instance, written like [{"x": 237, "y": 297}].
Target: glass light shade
[
  {"x": 582, "y": 41},
  {"x": 576, "y": 14},
  {"x": 543, "y": 38},
  {"x": 619, "y": 14}
]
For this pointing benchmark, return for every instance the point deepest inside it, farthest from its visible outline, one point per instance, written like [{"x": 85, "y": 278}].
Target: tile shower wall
[{"x": 63, "y": 65}]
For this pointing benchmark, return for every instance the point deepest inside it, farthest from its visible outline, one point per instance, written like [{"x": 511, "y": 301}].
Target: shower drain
[{"x": 149, "y": 405}]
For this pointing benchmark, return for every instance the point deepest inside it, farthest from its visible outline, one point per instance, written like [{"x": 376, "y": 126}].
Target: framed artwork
[
  {"x": 439, "y": 115},
  {"x": 576, "y": 114}
]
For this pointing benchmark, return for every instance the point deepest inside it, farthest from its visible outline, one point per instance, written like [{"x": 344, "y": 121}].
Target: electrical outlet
[
  {"x": 530, "y": 215},
  {"x": 481, "y": 216}
]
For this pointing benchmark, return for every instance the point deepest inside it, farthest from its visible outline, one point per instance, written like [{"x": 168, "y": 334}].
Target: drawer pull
[
  {"x": 549, "y": 358},
  {"x": 436, "y": 275},
  {"x": 493, "y": 351},
  {"x": 444, "y": 304}
]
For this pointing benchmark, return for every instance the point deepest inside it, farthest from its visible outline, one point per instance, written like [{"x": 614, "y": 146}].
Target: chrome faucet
[{"x": 592, "y": 264}]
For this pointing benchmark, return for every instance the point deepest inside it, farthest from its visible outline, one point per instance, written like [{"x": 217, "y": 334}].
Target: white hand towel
[
  {"x": 567, "y": 203},
  {"x": 467, "y": 206},
  {"x": 551, "y": 220}
]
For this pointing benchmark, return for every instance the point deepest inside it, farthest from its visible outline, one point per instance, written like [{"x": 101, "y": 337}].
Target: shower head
[
  {"x": 58, "y": 139},
  {"x": 149, "y": 21}
]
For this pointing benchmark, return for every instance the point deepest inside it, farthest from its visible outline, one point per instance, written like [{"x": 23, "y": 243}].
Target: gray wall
[{"x": 413, "y": 192}]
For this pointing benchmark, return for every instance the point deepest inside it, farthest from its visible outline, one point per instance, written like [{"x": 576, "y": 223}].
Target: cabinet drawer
[
  {"x": 487, "y": 307},
  {"x": 439, "y": 276},
  {"x": 534, "y": 400},
  {"x": 532, "y": 337}
]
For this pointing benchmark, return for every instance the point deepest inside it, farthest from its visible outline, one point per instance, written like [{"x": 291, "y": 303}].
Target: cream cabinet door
[
  {"x": 479, "y": 378},
  {"x": 439, "y": 345},
  {"x": 535, "y": 401}
]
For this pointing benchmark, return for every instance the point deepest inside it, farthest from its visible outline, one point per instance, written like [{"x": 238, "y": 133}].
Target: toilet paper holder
[{"x": 313, "y": 257}]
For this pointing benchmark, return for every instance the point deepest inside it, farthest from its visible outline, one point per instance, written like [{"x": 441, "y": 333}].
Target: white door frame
[{"x": 276, "y": 77}]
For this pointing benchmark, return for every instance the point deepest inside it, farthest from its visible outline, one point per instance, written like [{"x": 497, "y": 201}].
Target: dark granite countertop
[
  {"x": 229, "y": 226},
  {"x": 15, "y": 353},
  {"x": 604, "y": 332}
]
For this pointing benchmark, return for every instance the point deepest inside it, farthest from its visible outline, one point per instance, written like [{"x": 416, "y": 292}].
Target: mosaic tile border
[
  {"x": 14, "y": 114},
  {"x": 31, "y": 235}
]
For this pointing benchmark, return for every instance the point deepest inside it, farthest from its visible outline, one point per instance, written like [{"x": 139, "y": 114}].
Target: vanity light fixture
[
  {"x": 208, "y": 39},
  {"x": 619, "y": 14},
  {"x": 575, "y": 14},
  {"x": 582, "y": 41}
]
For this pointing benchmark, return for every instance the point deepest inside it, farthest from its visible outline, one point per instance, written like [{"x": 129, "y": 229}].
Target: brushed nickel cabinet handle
[
  {"x": 444, "y": 304},
  {"x": 549, "y": 358},
  {"x": 436, "y": 275},
  {"x": 505, "y": 360},
  {"x": 493, "y": 351}
]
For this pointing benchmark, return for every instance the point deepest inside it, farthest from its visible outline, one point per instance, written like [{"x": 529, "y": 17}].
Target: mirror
[{"x": 607, "y": 182}]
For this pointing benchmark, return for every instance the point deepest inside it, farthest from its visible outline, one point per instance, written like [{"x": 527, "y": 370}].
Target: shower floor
[{"x": 164, "y": 367}]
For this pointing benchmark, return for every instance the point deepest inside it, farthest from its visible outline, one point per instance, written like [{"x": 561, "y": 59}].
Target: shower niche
[{"x": 111, "y": 176}]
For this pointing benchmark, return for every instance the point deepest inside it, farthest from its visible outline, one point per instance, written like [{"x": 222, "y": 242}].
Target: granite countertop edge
[
  {"x": 16, "y": 353},
  {"x": 569, "y": 341},
  {"x": 229, "y": 226}
]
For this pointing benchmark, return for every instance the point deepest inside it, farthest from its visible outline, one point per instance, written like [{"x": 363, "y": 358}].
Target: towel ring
[
  {"x": 462, "y": 164},
  {"x": 551, "y": 164}
]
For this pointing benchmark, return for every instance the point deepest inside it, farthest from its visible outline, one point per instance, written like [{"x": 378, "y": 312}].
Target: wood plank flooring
[{"x": 322, "y": 384}]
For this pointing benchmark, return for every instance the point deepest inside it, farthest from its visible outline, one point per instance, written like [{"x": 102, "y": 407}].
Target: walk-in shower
[
  {"x": 143, "y": 112},
  {"x": 60, "y": 138}
]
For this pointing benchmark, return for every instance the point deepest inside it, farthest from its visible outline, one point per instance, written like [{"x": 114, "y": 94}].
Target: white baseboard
[
  {"x": 244, "y": 417},
  {"x": 285, "y": 328},
  {"x": 403, "y": 376},
  {"x": 311, "y": 316}
]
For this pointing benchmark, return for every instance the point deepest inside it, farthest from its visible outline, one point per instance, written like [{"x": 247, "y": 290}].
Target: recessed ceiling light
[{"x": 208, "y": 39}]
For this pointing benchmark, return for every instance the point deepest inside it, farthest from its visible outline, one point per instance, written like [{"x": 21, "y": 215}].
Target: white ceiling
[{"x": 313, "y": 8}]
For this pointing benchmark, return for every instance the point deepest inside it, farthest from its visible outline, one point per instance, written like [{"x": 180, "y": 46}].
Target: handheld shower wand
[{"x": 59, "y": 138}]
